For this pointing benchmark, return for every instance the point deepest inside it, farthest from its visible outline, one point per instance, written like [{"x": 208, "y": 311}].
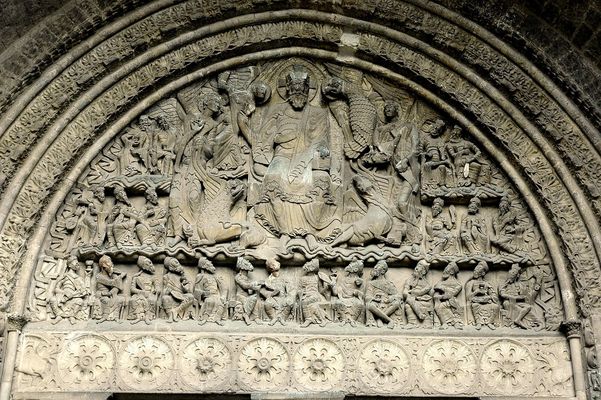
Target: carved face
[
  {"x": 474, "y": 206},
  {"x": 176, "y": 267},
  {"x": 504, "y": 206},
  {"x": 438, "y": 128},
  {"x": 262, "y": 92},
  {"x": 120, "y": 194},
  {"x": 391, "y": 110},
  {"x": 297, "y": 89},
  {"x": 311, "y": 266},
  {"x": 162, "y": 123},
  {"x": 106, "y": 264},
  {"x": 99, "y": 193},
  {"x": 333, "y": 88},
  {"x": 380, "y": 269},
  {"x": 450, "y": 270},
  {"x": 213, "y": 104},
  {"x": 480, "y": 270},
  {"x": 436, "y": 208},
  {"x": 145, "y": 264},
  {"x": 93, "y": 209},
  {"x": 421, "y": 269},
  {"x": 273, "y": 266},
  {"x": 210, "y": 267},
  {"x": 206, "y": 265},
  {"x": 236, "y": 188},
  {"x": 152, "y": 197},
  {"x": 514, "y": 273},
  {"x": 145, "y": 123},
  {"x": 355, "y": 267},
  {"x": 73, "y": 264},
  {"x": 456, "y": 132}
]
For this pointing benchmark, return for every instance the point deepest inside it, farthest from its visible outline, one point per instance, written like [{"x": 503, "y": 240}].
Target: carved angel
[{"x": 358, "y": 121}]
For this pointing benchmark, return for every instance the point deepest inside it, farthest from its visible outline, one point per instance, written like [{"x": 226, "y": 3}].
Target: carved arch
[{"x": 101, "y": 110}]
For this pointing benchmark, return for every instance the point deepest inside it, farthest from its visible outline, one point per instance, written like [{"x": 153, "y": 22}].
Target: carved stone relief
[
  {"x": 293, "y": 163},
  {"x": 301, "y": 195},
  {"x": 296, "y": 362}
]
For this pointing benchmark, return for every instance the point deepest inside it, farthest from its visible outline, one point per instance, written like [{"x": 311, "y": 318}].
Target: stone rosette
[
  {"x": 319, "y": 365},
  {"x": 146, "y": 363},
  {"x": 205, "y": 363},
  {"x": 384, "y": 366},
  {"x": 506, "y": 368},
  {"x": 450, "y": 367},
  {"x": 87, "y": 362},
  {"x": 264, "y": 364},
  {"x": 114, "y": 361}
]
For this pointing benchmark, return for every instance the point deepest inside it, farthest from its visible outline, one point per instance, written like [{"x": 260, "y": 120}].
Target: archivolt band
[{"x": 283, "y": 201}]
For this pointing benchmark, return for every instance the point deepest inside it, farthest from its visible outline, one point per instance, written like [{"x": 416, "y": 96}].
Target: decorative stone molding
[
  {"x": 16, "y": 322},
  {"x": 572, "y": 328},
  {"x": 359, "y": 364},
  {"x": 577, "y": 251},
  {"x": 453, "y": 211}
]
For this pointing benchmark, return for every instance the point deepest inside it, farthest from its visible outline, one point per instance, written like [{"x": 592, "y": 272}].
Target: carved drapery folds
[
  {"x": 267, "y": 193},
  {"x": 207, "y": 205}
]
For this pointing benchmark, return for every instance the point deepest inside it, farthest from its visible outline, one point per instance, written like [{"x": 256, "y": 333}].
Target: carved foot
[{"x": 306, "y": 323}]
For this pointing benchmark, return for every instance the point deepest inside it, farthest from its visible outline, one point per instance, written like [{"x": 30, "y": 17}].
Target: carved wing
[
  {"x": 354, "y": 208},
  {"x": 171, "y": 110},
  {"x": 359, "y": 120},
  {"x": 388, "y": 92},
  {"x": 211, "y": 185},
  {"x": 190, "y": 95},
  {"x": 363, "y": 118}
]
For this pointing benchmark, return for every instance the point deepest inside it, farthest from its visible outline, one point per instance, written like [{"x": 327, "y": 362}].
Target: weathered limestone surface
[{"x": 300, "y": 203}]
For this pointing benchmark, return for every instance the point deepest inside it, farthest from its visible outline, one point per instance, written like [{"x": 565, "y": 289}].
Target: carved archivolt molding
[
  {"x": 506, "y": 367},
  {"x": 582, "y": 255},
  {"x": 175, "y": 163}
]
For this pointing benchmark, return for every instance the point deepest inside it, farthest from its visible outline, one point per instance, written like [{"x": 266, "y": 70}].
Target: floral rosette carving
[
  {"x": 507, "y": 368},
  {"x": 87, "y": 360},
  {"x": 264, "y": 364},
  {"x": 449, "y": 366},
  {"x": 205, "y": 363},
  {"x": 146, "y": 363},
  {"x": 318, "y": 364},
  {"x": 384, "y": 366}
]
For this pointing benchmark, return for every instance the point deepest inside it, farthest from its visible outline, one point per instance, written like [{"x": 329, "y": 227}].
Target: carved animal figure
[{"x": 359, "y": 122}]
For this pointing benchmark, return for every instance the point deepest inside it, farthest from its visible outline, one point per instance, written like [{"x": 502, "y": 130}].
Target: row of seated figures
[{"x": 446, "y": 297}]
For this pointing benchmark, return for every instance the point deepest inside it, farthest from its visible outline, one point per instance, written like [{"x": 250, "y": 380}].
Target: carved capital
[
  {"x": 571, "y": 328},
  {"x": 16, "y": 322}
]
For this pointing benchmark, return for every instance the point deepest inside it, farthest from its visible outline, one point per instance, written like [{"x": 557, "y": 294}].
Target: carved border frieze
[{"x": 287, "y": 362}]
